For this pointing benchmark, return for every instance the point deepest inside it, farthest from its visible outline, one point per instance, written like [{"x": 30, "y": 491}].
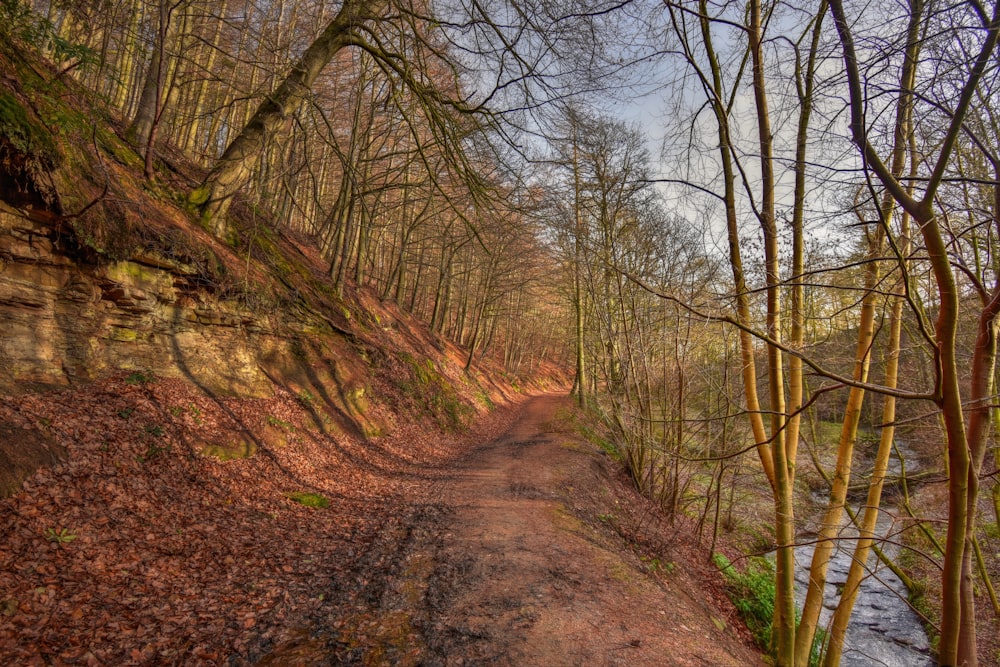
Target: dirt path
[{"x": 517, "y": 557}]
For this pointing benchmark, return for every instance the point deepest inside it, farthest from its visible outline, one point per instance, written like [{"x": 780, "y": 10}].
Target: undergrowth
[{"x": 752, "y": 592}]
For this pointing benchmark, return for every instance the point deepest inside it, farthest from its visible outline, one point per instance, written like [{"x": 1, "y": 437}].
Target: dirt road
[{"x": 531, "y": 551}]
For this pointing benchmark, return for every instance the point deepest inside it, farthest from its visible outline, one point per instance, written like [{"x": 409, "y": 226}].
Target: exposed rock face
[{"x": 65, "y": 322}]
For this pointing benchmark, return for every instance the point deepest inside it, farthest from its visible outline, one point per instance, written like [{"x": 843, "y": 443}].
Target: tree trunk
[
  {"x": 957, "y": 643},
  {"x": 578, "y": 293},
  {"x": 235, "y": 167},
  {"x": 149, "y": 100},
  {"x": 747, "y": 357}
]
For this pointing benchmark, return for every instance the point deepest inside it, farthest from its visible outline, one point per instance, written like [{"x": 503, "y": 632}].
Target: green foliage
[
  {"x": 17, "y": 21},
  {"x": 140, "y": 377},
  {"x": 990, "y": 530},
  {"x": 603, "y": 443},
  {"x": 752, "y": 592},
  {"x": 657, "y": 565},
  {"x": 308, "y": 499},
  {"x": 912, "y": 560},
  {"x": 61, "y": 536},
  {"x": 816, "y": 652}
]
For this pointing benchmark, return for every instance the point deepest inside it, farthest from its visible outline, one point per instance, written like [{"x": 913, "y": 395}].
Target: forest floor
[{"x": 514, "y": 541}]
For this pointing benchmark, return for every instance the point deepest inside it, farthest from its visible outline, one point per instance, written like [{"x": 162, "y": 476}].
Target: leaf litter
[{"x": 139, "y": 550}]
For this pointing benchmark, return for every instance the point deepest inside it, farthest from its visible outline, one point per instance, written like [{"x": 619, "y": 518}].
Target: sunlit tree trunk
[
  {"x": 152, "y": 87},
  {"x": 981, "y": 397},
  {"x": 833, "y": 517},
  {"x": 235, "y": 167},
  {"x": 957, "y": 644},
  {"x": 579, "y": 308},
  {"x": 717, "y": 99},
  {"x": 902, "y": 138},
  {"x": 784, "y": 519}
]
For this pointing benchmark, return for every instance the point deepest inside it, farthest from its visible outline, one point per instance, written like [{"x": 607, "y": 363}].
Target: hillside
[
  {"x": 103, "y": 272},
  {"x": 210, "y": 456}
]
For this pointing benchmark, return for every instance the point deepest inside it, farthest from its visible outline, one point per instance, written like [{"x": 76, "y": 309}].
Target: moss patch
[
  {"x": 238, "y": 449},
  {"x": 308, "y": 499},
  {"x": 26, "y": 136},
  {"x": 428, "y": 385}
]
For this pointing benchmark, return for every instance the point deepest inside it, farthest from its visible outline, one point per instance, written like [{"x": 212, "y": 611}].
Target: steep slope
[{"x": 102, "y": 271}]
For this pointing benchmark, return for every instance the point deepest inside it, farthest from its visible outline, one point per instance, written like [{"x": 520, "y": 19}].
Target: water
[{"x": 883, "y": 630}]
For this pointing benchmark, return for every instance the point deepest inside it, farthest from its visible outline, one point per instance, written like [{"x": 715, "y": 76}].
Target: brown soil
[{"x": 531, "y": 550}]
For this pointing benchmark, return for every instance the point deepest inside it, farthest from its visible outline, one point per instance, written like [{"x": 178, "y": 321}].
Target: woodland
[{"x": 761, "y": 236}]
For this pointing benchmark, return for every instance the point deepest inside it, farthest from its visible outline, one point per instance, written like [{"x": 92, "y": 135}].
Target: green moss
[
  {"x": 241, "y": 449},
  {"x": 357, "y": 399},
  {"x": 308, "y": 499},
  {"x": 199, "y": 196},
  {"x": 124, "y": 334},
  {"x": 26, "y": 136},
  {"x": 280, "y": 423},
  {"x": 439, "y": 397},
  {"x": 484, "y": 399},
  {"x": 118, "y": 149}
]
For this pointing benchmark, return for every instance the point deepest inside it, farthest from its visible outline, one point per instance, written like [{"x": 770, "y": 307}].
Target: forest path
[{"x": 516, "y": 557}]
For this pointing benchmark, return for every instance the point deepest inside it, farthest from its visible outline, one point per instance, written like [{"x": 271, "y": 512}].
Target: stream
[{"x": 883, "y": 630}]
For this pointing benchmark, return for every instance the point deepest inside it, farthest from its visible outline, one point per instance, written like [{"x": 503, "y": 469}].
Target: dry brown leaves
[{"x": 138, "y": 550}]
